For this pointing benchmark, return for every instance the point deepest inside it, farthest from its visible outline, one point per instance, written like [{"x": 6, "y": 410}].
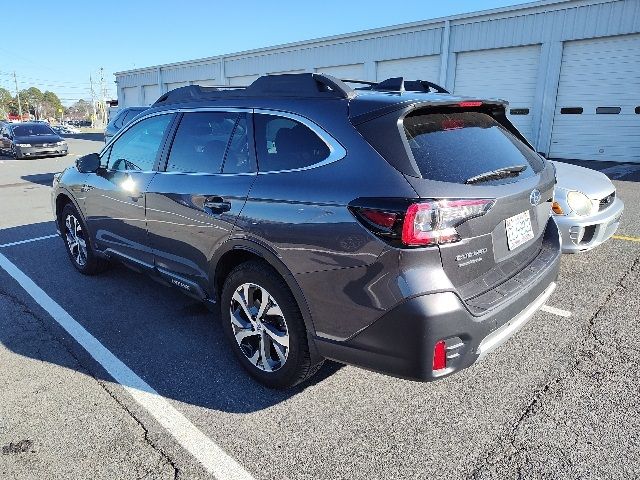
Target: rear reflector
[{"x": 440, "y": 355}]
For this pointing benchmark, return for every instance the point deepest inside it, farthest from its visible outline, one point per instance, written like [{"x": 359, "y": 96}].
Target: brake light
[
  {"x": 440, "y": 355},
  {"x": 469, "y": 104},
  {"x": 433, "y": 223}
]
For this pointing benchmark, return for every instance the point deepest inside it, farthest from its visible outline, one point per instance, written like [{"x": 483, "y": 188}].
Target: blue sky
[{"x": 63, "y": 43}]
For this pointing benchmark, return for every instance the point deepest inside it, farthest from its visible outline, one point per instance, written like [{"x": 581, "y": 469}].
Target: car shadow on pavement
[
  {"x": 94, "y": 136},
  {"x": 176, "y": 344},
  {"x": 45, "y": 179}
]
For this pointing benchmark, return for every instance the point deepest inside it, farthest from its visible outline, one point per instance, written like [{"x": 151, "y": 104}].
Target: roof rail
[
  {"x": 193, "y": 92},
  {"x": 286, "y": 85},
  {"x": 300, "y": 85},
  {"x": 399, "y": 84}
]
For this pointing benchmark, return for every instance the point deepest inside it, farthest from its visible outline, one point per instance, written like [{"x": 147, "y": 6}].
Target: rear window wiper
[{"x": 514, "y": 170}]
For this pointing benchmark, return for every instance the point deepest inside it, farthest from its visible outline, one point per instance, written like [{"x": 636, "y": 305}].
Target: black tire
[
  {"x": 298, "y": 365},
  {"x": 91, "y": 264},
  {"x": 14, "y": 154}
]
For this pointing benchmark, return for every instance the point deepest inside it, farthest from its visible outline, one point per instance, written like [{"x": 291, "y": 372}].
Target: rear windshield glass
[{"x": 454, "y": 147}]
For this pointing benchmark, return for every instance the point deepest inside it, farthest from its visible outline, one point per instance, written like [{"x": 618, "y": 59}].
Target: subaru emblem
[{"x": 534, "y": 198}]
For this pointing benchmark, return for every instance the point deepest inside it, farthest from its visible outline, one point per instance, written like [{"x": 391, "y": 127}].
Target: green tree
[
  {"x": 51, "y": 104},
  {"x": 5, "y": 102},
  {"x": 32, "y": 100}
]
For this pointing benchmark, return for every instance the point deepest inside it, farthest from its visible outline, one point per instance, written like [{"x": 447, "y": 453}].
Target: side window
[
  {"x": 285, "y": 144},
  {"x": 239, "y": 158},
  {"x": 138, "y": 147},
  {"x": 201, "y": 142}
]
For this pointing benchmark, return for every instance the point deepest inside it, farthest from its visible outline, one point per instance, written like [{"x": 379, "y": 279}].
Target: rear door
[
  {"x": 115, "y": 195},
  {"x": 193, "y": 203}
]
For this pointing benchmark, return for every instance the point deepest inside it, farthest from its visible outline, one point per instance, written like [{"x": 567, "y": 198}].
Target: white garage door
[
  {"x": 207, "y": 83},
  {"x": 288, "y": 71},
  {"x": 416, "y": 68},
  {"x": 130, "y": 95},
  {"x": 598, "y": 94},
  {"x": 506, "y": 73},
  {"x": 242, "y": 81},
  {"x": 353, "y": 72},
  {"x": 150, "y": 94},
  {"x": 173, "y": 86}
]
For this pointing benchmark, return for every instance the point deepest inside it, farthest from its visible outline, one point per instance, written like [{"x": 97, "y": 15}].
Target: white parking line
[
  {"x": 28, "y": 240},
  {"x": 556, "y": 311},
  {"x": 205, "y": 450}
]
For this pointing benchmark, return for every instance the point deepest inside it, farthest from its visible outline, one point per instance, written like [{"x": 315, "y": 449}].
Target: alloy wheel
[
  {"x": 259, "y": 327},
  {"x": 75, "y": 240}
]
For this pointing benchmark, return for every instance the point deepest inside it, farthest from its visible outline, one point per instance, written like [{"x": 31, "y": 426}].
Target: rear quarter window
[
  {"x": 285, "y": 144},
  {"x": 455, "y": 146}
]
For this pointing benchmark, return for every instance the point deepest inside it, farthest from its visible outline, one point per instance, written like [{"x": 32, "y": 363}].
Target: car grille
[{"x": 606, "y": 202}]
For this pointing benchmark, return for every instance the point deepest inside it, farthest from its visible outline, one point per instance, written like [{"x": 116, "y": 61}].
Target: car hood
[
  {"x": 593, "y": 184},
  {"x": 39, "y": 140}
]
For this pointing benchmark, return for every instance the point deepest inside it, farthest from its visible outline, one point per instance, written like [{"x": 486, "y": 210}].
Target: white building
[{"x": 570, "y": 69}]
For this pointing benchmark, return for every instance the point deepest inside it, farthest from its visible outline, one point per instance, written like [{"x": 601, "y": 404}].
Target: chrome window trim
[{"x": 336, "y": 150}]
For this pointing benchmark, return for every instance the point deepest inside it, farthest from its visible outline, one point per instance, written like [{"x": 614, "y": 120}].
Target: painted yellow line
[{"x": 629, "y": 239}]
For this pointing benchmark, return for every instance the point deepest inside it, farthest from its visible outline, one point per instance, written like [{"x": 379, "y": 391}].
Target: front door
[
  {"x": 192, "y": 205},
  {"x": 115, "y": 198}
]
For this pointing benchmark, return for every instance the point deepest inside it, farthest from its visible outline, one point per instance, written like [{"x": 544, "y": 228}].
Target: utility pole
[
  {"x": 15, "y": 79},
  {"x": 103, "y": 102},
  {"x": 93, "y": 102}
]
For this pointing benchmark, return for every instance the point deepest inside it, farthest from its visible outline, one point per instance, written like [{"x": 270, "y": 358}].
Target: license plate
[{"x": 519, "y": 230}]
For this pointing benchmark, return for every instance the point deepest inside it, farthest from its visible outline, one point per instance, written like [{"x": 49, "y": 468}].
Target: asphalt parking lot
[{"x": 559, "y": 400}]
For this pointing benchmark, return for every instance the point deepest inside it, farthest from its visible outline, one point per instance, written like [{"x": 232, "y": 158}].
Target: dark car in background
[
  {"x": 30, "y": 140},
  {"x": 119, "y": 120},
  {"x": 406, "y": 233}
]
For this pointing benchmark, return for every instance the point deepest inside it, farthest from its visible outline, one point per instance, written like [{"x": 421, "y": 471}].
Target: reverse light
[
  {"x": 433, "y": 223},
  {"x": 440, "y": 355}
]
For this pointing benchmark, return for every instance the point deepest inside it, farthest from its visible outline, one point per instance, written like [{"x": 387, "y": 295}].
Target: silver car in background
[{"x": 586, "y": 207}]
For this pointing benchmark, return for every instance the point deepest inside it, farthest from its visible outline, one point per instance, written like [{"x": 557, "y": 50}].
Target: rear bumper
[
  {"x": 580, "y": 234},
  {"x": 401, "y": 343}
]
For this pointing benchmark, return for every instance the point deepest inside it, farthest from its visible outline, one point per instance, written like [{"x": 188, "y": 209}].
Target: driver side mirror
[{"x": 89, "y": 163}]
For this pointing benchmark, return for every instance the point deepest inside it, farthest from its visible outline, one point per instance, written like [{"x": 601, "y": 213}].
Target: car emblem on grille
[{"x": 534, "y": 198}]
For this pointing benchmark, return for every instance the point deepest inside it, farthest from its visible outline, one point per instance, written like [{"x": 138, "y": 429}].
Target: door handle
[{"x": 216, "y": 204}]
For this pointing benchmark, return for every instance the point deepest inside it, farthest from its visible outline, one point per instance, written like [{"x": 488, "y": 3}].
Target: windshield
[
  {"x": 31, "y": 130},
  {"x": 454, "y": 147}
]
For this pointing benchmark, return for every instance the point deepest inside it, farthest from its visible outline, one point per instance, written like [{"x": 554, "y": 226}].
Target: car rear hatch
[{"x": 484, "y": 195}]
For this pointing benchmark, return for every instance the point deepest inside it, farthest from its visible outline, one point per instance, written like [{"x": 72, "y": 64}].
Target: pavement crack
[
  {"x": 147, "y": 437},
  {"x": 81, "y": 367},
  {"x": 584, "y": 352}
]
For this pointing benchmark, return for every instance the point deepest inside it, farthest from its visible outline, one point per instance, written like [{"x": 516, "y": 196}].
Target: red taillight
[
  {"x": 379, "y": 218},
  {"x": 469, "y": 104},
  {"x": 433, "y": 223},
  {"x": 440, "y": 355}
]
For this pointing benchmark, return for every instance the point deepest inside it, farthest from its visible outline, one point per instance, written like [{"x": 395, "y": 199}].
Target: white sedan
[{"x": 586, "y": 207}]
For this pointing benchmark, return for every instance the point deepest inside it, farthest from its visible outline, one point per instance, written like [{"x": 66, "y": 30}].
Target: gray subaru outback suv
[{"x": 404, "y": 232}]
